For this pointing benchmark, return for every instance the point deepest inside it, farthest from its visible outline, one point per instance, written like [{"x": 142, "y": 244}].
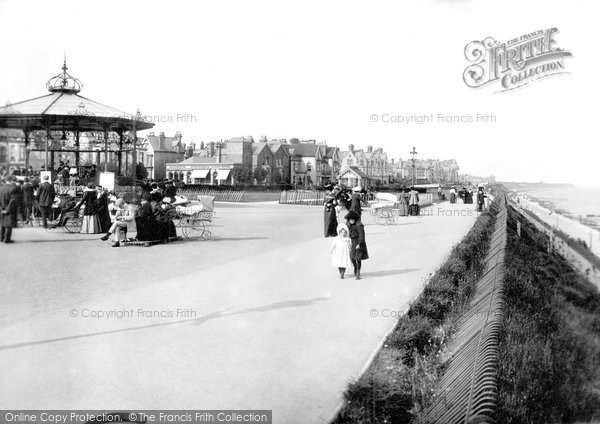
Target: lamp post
[
  {"x": 413, "y": 154},
  {"x": 137, "y": 117}
]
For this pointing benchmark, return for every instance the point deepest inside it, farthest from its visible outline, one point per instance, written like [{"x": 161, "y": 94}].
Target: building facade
[
  {"x": 158, "y": 150},
  {"x": 12, "y": 150}
]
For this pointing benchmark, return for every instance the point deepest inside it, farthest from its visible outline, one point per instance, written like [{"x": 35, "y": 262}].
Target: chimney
[
  {"x": 263, "y": 139},
  {"x": 178, "y": 136},
  {"x": 161, "y": 141},
  {"x": 351, "y": 147},
  {"x": 219, "y": 147},
  {"x": 211, "y": 148},
  {"x": 189, "y": 150},
  {"x": 370, "y": 149}
]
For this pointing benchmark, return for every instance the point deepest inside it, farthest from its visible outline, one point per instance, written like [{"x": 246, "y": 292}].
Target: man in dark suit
[
  {"x": 27, "y": 190},
  {"x": 47, "y": 194},
  {"x": 9, "y": 206}
]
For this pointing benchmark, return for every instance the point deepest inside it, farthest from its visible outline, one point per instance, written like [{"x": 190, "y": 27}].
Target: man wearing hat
[
  {"x": 28, "y": 193},
  {"x": 46, "y": 195},
  {"x": 9, "y": 198}
]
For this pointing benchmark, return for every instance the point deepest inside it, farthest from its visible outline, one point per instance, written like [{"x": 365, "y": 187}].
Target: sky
[{"x": 333, "y": 71}]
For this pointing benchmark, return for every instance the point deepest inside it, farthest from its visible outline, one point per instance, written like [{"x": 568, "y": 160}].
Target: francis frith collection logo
[{"x": 516, "y": 62}]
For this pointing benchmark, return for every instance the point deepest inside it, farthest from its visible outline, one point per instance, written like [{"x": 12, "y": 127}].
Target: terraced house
[
  {"x": 427, "y": 170},
  {"x": 365, "y": 168},
  {"x": 158, "y": 150},
  {"x": 234, "y": 161},
  {"x": 312, "y": 164}
]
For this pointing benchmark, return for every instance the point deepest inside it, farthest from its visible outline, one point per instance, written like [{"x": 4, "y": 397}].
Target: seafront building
[
  {"x": 427, "y": 171},
  {"x": 304, "y": 164}
]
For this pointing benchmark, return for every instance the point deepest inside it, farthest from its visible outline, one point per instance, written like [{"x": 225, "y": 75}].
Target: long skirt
[
  {"x": 359, "y": 254},
  {"x": 90, "y": 224},
  {"x": 104, "y": 219},
  {"x": 330, "y": 223}
]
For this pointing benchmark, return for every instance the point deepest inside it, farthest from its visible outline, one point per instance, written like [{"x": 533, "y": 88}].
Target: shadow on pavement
[
  {"x": 387, "y": 272},
  {"x": 217, "y": 238},
  {"x": 194, "y": 321}
]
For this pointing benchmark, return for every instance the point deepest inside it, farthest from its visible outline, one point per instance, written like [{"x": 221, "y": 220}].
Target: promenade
[
  {"x": 572, "y": 228},
  {"x": 257, "y": 319}
]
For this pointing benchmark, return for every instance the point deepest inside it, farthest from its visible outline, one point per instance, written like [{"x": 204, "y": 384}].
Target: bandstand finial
[{"x": 64, "y": 82}]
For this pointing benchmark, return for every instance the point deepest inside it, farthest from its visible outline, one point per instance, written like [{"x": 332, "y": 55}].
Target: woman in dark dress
[
  {"x": 90, "y": 223},
  {"x": 358, "y": 248},
  {"x": 330, "y": 219},
  {"x": 102, "y": 209},
  {"x": 355, "y": 205}
]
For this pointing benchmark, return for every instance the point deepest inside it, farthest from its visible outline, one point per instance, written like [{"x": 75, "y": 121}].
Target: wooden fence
[
  {"x": 302, "y": 197},
  {"x": 219, "y": 195}
]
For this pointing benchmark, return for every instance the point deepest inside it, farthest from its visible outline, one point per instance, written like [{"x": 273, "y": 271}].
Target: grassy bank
[
  {"x": 399, "y": 384},
  {"x": 549, "y": 354}
]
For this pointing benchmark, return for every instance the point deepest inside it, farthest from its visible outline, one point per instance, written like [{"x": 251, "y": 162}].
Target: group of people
[
  {"x": 466, "y": 195},
  {"x": 349, "y": 247},
  {"x": 102, "y": 212},
  {"x": 17, "y": 198}
]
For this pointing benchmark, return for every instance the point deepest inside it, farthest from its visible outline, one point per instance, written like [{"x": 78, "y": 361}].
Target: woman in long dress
[
  {"x": 102, "y": 210},
  {"x": 413, "y": 202},
  {"x": 90, "y": 223},
  {"x": 330, "y": 219}
]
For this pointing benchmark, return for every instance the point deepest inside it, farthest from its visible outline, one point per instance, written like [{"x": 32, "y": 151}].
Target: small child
[{"x": 340, "y": 250}]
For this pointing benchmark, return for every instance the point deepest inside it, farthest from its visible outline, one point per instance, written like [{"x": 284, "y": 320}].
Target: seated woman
[
  {"x": 147, "y": 227},
  {"x": 163, "y": 216}
]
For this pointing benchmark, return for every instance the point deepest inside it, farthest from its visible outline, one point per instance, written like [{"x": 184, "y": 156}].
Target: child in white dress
[{"x": 340, "y": 250}]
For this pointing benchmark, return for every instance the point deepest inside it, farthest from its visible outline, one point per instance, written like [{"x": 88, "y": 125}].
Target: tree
[
  {"x": 276, "y": 178},
  {"x": 260, "y": 174},
  {"x": 141, "y": 173},
  {"x": 242, "y": 175}
]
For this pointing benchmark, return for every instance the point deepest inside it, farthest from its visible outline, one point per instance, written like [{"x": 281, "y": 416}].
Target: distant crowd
[{"x": 96, "y": 209}]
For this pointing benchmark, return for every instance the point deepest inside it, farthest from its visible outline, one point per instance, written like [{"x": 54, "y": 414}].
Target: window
[
  {"x": 349, "y": 162},
  {"x": 21, "y": 153},
  {"x": 13, "y": 153},
  {"x": 295, "y": 166},
  {"x": 309, "y": 167}
]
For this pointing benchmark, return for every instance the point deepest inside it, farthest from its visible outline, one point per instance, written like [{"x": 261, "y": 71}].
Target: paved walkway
[{"x": 257, "y": 319}]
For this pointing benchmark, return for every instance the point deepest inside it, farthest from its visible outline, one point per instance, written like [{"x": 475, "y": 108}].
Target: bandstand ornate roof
[{"x": 64, "y": 109}]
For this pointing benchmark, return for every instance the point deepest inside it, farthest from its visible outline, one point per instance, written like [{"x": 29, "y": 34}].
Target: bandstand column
[
  {"x": 105, "y": 149},
  {"x": 119, "y": 158},
  {"x": 46, "y": 151},
  {"x": 26, "y": 149},
  {"x": 77, "y": 150}
]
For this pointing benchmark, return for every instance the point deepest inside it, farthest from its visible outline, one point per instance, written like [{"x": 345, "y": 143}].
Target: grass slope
[{"x": 549, "y": 357}]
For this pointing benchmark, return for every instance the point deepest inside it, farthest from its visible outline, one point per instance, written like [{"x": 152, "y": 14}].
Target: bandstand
[{"x": 66, "y": 124}]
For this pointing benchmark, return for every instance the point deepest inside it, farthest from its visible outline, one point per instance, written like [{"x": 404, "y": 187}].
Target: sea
[{"x": 579, "y": 201}]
